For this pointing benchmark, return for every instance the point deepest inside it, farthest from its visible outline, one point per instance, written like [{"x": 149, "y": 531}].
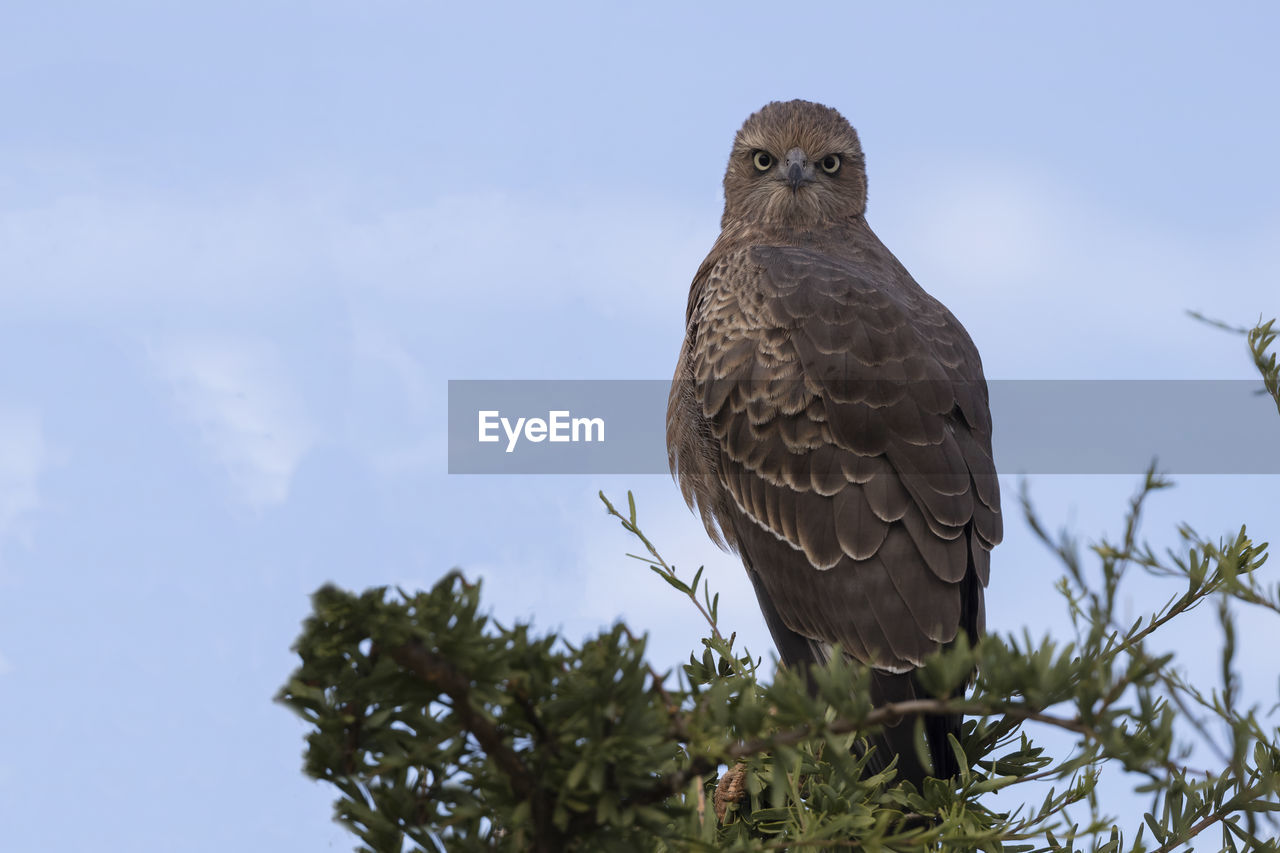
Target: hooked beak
[{"x": 797, "y": 169}]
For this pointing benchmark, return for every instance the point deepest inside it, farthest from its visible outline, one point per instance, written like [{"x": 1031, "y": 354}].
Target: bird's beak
[{"x": 797, "y": 169}]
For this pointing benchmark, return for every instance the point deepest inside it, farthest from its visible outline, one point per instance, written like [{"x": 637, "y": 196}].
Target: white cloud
[
  {"x": 996, "y": 228},
  {"x": 238, "y": 395},
  {"x": 81, "y": 253},
  {"x": 24, "y": 456},
  {"x": 378, "y": 349},
  {"x": 257, "y": 250},
  {"x": 612, "y": 252},
  {"x": 394, "y": 418},
  {"x": 1050, "y": 283}
]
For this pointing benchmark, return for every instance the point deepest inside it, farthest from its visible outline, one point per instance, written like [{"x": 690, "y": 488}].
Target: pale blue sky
[{"x": 243, "y": 246}]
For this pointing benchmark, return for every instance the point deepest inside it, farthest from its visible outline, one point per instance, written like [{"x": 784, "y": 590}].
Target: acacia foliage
[{"x": 442, "y": 729}]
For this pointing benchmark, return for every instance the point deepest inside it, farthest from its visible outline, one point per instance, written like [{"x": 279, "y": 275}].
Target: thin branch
[
  {"x": 659, "y": 565},
  {"x": 1209, "y": 820}
]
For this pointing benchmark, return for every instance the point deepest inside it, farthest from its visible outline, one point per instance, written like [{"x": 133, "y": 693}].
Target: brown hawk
[{"x": 829, "y": 420}]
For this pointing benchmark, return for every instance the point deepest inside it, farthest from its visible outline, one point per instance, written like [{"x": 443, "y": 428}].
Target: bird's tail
[
  {"x": 899, "y": 738},
  {"x": 918, "y": 740}
]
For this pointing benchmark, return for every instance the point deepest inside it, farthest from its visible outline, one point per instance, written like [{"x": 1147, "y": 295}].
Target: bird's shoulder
[{"x": 829, "y": 304}]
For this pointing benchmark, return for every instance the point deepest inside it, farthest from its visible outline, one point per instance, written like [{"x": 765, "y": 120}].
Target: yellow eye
[
  {"x": 831, "y": 164},
  {"x": 763, "y": 160}
]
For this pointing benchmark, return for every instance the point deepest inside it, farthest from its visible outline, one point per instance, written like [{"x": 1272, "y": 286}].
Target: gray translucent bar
[{"x": 1040, "y": 426}]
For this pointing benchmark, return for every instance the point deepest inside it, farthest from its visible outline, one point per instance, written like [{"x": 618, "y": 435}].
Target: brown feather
[{"x": 860, "y": 531}]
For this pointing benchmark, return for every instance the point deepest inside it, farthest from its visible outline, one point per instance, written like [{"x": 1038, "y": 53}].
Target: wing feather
[{"x": 835, "y": 430}]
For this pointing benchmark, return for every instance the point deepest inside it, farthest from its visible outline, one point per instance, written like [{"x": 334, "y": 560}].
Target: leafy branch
[{"x": 444, "y": 730}]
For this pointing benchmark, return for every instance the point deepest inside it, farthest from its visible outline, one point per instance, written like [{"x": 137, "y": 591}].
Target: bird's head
[{"x": 795, "y": 163}]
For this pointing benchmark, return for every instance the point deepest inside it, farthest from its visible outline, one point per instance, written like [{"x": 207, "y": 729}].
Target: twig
[
  {"x": 659, "y": 565},
  {"x": 1209, "y": 820}
]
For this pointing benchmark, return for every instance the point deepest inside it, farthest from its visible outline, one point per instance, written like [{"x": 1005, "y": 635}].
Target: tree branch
[{"x": 441, "y": 675}]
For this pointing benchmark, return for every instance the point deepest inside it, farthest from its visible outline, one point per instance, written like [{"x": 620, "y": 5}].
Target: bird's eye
[
  {"x": 831, "y": 164},
  {"x": 763, "y": 160}
]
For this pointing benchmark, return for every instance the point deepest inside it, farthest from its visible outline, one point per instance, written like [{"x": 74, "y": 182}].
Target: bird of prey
[{"x": 829, "y": 421}]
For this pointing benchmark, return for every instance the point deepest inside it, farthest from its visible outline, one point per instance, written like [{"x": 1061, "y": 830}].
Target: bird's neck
[{"x": 827, "y": 235}]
